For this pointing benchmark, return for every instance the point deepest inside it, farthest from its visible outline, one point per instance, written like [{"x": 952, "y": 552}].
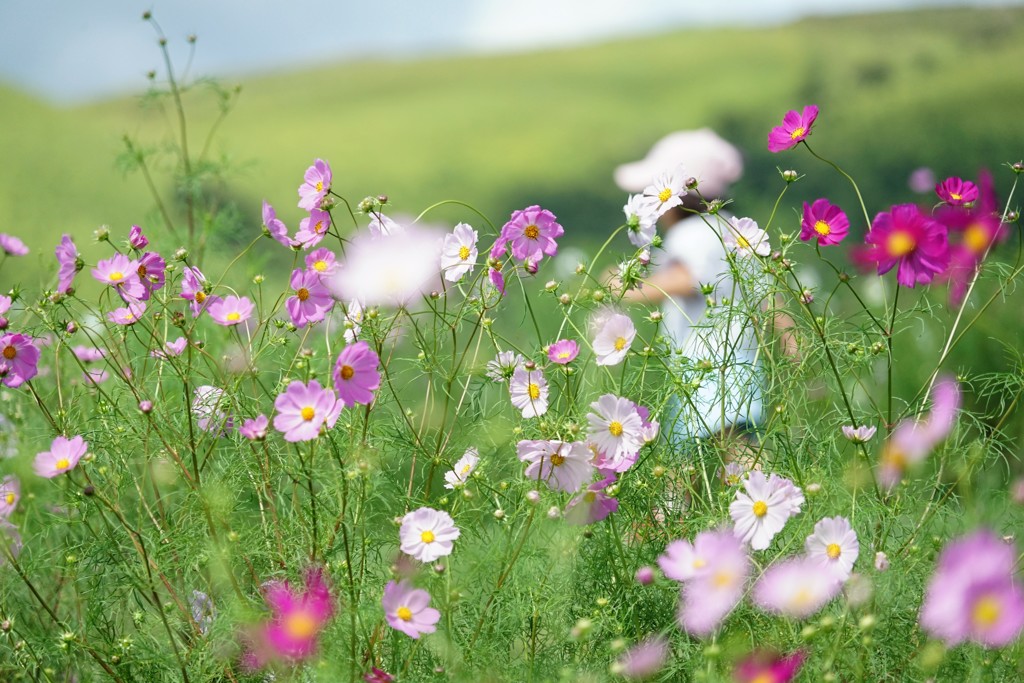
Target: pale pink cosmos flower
[
  {"x": 355, "y": 374},
  {"x": 615, "y": 334},
  {"x": 796, "y": 587},
  {"x": 255, "y": 429},
  {"x": 683, "y": 561},
  {"x": 648, "y": 428},
  {"x": 63, "y": 455},
  {"x": 303, "y": 409},
  {"x": 68, "y": 264},
  {"x": 95, "y": 376},
  {"x": 641, "y": 219},
  {"x": 312, "y": 300},
  {"x": 313, "y": 228},
  {"x": 643, "y": 660},
  {"x": 921, "y": 180},
  {"x": 323, "y": 262},
  {"x": 563, "y": 351},
  {"x": 11, "y": 245},
  {"x": 708, "y": 597},
  {"x": 881, "y": 561},
  {"x": 353, "y": 320},
  {"x": 390, "y": 270},
  {"x": 231, "y": 310},
  {"x": 171, "y": 348},
  {"x": 408, "y": 610},
  {"x": 834, "y": 546},
  {"x": 19, "y": 359},
  {"x": 208, "y": 406},
  {"x": 860, "y": 434},
  {"x": 914, "y": 438},
  {"x": 743, "y": 236},
  {"x": 10, "y": 493},
  {"x": 88, "y": 354},
  {"x": 666, "y": 191},
  {"x": 427, "y": 534},
  {"x": 529, "y": 392},
  {"x": 275, "y": 227},
  {"x": 316, "y": 184},
  {"x": 127, "y": 315},
  {"x": 122, "y": 274},
  {"x": 615, "y": 428},
  {"x": 563, "y": 466},
  {"x": 761, "y": 509},
  {"x": 459, "y": 252},
  {"x": 457, "y": 476}
]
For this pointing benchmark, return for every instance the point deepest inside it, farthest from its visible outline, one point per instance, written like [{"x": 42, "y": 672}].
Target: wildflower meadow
[{"x": 427, "y": 453}]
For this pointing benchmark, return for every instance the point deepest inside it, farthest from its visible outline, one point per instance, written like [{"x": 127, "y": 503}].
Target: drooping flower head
[
  {"x": 311, "y": 301},
  {"x": 193, "y": 289},
  {"x": 355, "y": 374},
  {"x": 316, "y": 184},
  {"x": 68, "y": 263},
  {"x": 303, "y": 409},
  {"x": 796, "y": 587},
  {"x": 761, "y": 509},
  {"x": 231, "y": 310},
  {"x": 795, "y": 128},
  {"x": 11, "y": 245},
  {"x": 717, "y": 586},
  {"x": 563, "y": 466},
  {"x": 19, "y": 359},
  {"x": 456, "y": 477},
  {"x": 459, "y": 252},
  {"x": 825, "y": 222},
  {"x": 152, "y": 270},
  {"x": 833, "y": 546},
  {"x": 615, "y": 428},
  {"x": 121, "y": 273},
  {"x": 136, "y": 239},
  {"x": 956, "y": 191},
  {"x": 63, "y": 455},
  {"x": 769, "y": 667},
  {"x": 615, "y": 334},
  {"x": 407, "y": 609},
  {"x": 427, "y": 534},
  {"x": 501, "y": 368},
  {"x": 275, "y": 227},
  {"x": 563, "y": 351},
  {"x": 743, "y": 236},
  {"x": 531, "y": 233},
  {"x": 906, "y": 238},
  {"x": 255, "y": 429},
  {"x": 529, "y": 391}
]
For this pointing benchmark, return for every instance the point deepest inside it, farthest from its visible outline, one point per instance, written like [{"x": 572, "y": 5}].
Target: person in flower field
[{"x": 680, "y": 173}]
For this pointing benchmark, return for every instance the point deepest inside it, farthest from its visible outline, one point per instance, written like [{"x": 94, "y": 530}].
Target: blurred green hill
[{"x": 896, "y": 91}]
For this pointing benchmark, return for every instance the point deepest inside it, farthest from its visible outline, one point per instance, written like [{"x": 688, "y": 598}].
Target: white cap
[{"x": 702, "y": 154}]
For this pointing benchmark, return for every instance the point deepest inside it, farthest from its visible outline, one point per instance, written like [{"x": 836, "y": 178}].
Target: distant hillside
[{"x": 936, "y": 88}]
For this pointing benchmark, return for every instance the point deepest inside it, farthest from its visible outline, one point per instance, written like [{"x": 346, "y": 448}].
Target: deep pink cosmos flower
[
  {"x": 231, "y": 310},
  {"x": 974, "y": 593},
  {"x": 956, "y": 191},
  {"x": 296, "y": 620},
  {"x": 152, "y": 269},
  {"x": 376, "y": 675},
  {"x": 408, "y": 610},
  {"x": 63, "y": 455},
  {"x": 303, "y": 409},
  {"x": 136, "y": 239},
  {"x": 497, "y": 280},
  {"x": 313, "y": 228},
  {"x": 312, "y": 299},
  {"x": 255, "y": 429},
  {"x": 769, "y": 667},
  {"x": 824, "y": 221},
  {"x": 11, "y": 245},
  {"x": 275, "y": 227},
  {"x": 973, "y": 231},
  {"x": 19, "y": 359},
  {"x": 531, "y": 232},
  {"x": 67, "y": 262},
  {"x": 122, "y": 274},
  {"x": 563, "y": 351},
  {"x": 795, "y": 128},
  {"x": 594, "y": 504},
  {"x": 355, "y": 374},
  {"x": 906, "y": 237},
  {"x": 316, "y": 186}
]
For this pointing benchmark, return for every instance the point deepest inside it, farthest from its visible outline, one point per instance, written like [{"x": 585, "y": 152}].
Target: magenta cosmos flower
[
  {"x": 407, "y": 609},
  {"x": 231, "y": 310},
  {"x": 563, "y": 466},
  {"x": 63, "y": 455},
  {"x": 297, "y": 618},
  {"x": 355, "y": 374},
  {"x": 797, "y": 587},
  {"x": 68, "y": 264},
  {"x": 312, "y": 299},
  {"x": 974, "y": 593},
  {"x": 152, "y": 272},
  {"x": 795, "y": 128},
  {"x": 563, "y": 351},
  {"x": 11, "y": 245},
  {"x": 121, "y": 273},
  {"x": 769, "y": 667},
  {"x": 531, "y": 233},
  {"x": 825, "y": 221},
  {"x": 316, "y": 185},
  {"x": 956, "y": 191},
  {"x": 427, "y": 534},
  {"x": 303, "y": 409},
  {"x": 905, "y": 237},
  {"x": 19, "y": 359},
  {"x": 275, "y": 227},
  {"x": 137, "y": 240}
]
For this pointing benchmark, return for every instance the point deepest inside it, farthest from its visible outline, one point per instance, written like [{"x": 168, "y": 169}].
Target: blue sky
[{"x": 74, "y": 50}]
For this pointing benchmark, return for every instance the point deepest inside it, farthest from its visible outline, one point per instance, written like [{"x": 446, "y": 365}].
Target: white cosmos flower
[
  {"x": 614, "y": 336},
  {"x": 761, "y": 509},
  {"x": 667, "y": 191},
  {"x": 457, "y": 475},
  {"x": 500, "y": 369},
  {"x": 616, "y": 428},
  {"x": 392, "y": 269},
  {"x": 427, "y": 534},
  {"x": 641, "y": 219},
  {"x": 834, "y": 546},
  {"x": 529, "y": 392},
  {"x": 744, "y": 237},
  {"x": 353, "y": 321},
  {"x": 458, "y": 254}
]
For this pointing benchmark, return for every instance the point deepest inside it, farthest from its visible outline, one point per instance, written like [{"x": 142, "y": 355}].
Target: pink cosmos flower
[
  {"x": 956, "y": 191},
  {"x": 643, "y": 660},
  {"x": 376, "y": 675},
  {"x": 794, "y": 129},
  {"x": 408, "y": 610},
  {"x": 825, "y": 221},
  {"x": 193, "y": 289},
  {"x": 322, "y": 262},
  {"x": 459, "y": 252},
  {"x": 921, "y": 180},
  {"x": 231, "y": 310},
  {"x": 152, "y": 272},
  {"x": 762, "y": 508},
  {"x": 974, "y": 593},
  {"x": 19, "y": 359},
  {"x": 457, "y": 476},
  {"x": 833, "y": 546},
  {"x": 11, "y": 245},
  {"x": 127, "y": 315},
  {"x": 390, "y": 270},
  {"x": 255, "y": 429},
  {"x": 683, "y": 561},
  {"x": 10, "y": 493},
  {"x": 427, "y": 534},
  {"x": 63, "y": 455},
  {"x": 563, "y": 351},
  {"x": 529, "y": 392},
  {"x": 861, "y": 434},
  {"x": 275, "y": 227},
  {"x": 718, "y": 586},
  {"x": 594, "y": 504},
  {"x": 296, "y": 620},
  {"x": 68, "y": 263},
  {"x": 96, "y": 376},
  {"x": 382, "y": 226},
  {"x": 355, "y": 374},
  {"x": 769, "y": 667},
  {"x": 88, "y": 354},
  {"x": 313, "y": 228},
  {"x": 497, "y": 280},
  {"x": 316, "y": 185},
  {"x": 171, "y": 348},
  {"x": 906, "y": 237},
  {"x": 563, "y": 466},
  {"x": 914, "y": 438},
  {"x": 136, "y": 239},
  {"x": 615, "y": 334},
  {"x": 303, "y": 409},
  {"x": 531, "y": 233},
  {"x": 614, "y": 427},
  {"x": 312, "y": 299},
  {"x": 648, "y": 428},
  {"x": 122, "y": 274},
  {"x": 796, "y": 587}
]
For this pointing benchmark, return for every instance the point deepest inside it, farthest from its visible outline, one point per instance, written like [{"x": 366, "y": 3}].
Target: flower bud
[
  {"x": 1012, "y": 216},
  {"x": 655, "y": 316},
  {"x": 806, "y": 297},
  {"x": 3, "y": 323},
  {"x": 181, "y": 254},
  {"x": 691, "y": 183},
  {"x": 565, "y": 299},
  {"x": 499, "y": 514},
  {"x": 102, "y": 233},
  {"x": 551, "y": 286},
  {"x": 533, "y": 497},
  {"x": 598, "y": 295},
  {"x": 644, "y": 576},
  {"x": 1018, "y": 167},
  {"x": 789, "y": 175},
  {"x": 881, "y": 561},
  {"x": 554, "y": 512},
  {"x": 439, "y": 568},
  {"x": 146, "y": 407},
  {"x": 382, "y": 198}
]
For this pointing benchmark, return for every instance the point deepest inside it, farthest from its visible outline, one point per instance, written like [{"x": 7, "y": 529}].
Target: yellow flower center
[
  {"x": 200, "y": 296},
  {"x": 308, "y": 413},
  {"x": 531, "y": 231},
  {"x": 117, "y": 276},
  {"x": 319, "y": 227},
  {"x": 760, "y": 508},
  {"x": 234, "y": 316},
  {"x": 742, "y": 242},
  {"x": 9, "y": 498},
  {"x": 300, "y": 626},
  {"x": 562, "y": 355},
  {"x": 302, "y": 293},
  {"x": 463, "y": 253},
  {"x": 665, "y": 195},
  {"x": 797, "y": 132},
  {"x": 822, "y": 228},
  {"x": 10, "y": 352},
  {"x": 347, "y": 371},
  {"x": 699, "y": 562},
  {"x": 765, "y": 677},
  {"x": 466, "y": 469},
  {"x": 320, "y": 266},
  {"x": 557, "y": 459},
  {"x": 833, "y": 550},
  {"x": 620, "y": 343},
  {"x": 319, "y": 186},
  {"x": 986, "y": 611},
  {"x": 615, "y": 428},
  {"x": 900, "y": 244},
  {"x": 427, "y": 536},
  {"x": 404, "y": 613},
  {"x": 722, "y": 579},
  {"x": 976, "y": 238},
  {"x": 894, "y": 457},
  {"x": 955, "y": 196},
  {"x": 63, "y": 464},
  {"x": 533, "y": 390}
]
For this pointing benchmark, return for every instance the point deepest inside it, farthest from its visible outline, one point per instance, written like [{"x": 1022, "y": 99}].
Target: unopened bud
[
  {"x": 533, "y": 497},
  {"x": 580, "y": 269},
  {"x": 102, "y": 233},
  {"x": 191, "y": 39},
  {"x": 181, "y": 254},
  {"x": 598, "y": 295},
  {"x": 1018, "y": 167},
  {"x": 71, "y": 327},
  {"x": 89, "y": 490},
  {"x": 789, "y": 175},
  {"x": 146, "y": 407},
  {"x": 691, "y": 183},
  {"x": 565, "y": 299},
  {"x": 554, "y": 512},
  {"x": 644, "y": 576},
  {"x": 439, "y": 568},
  {"x": 806, "y": 297},
  {"x": 551, "y": 286},
  {"x": 382, "y": 198},
  {"x": 1012, "y": 216},
  {"x": 499, "y": 514}
]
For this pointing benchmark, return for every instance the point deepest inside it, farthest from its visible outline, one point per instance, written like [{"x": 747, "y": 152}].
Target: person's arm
[{"x": 673, "y": 279}]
